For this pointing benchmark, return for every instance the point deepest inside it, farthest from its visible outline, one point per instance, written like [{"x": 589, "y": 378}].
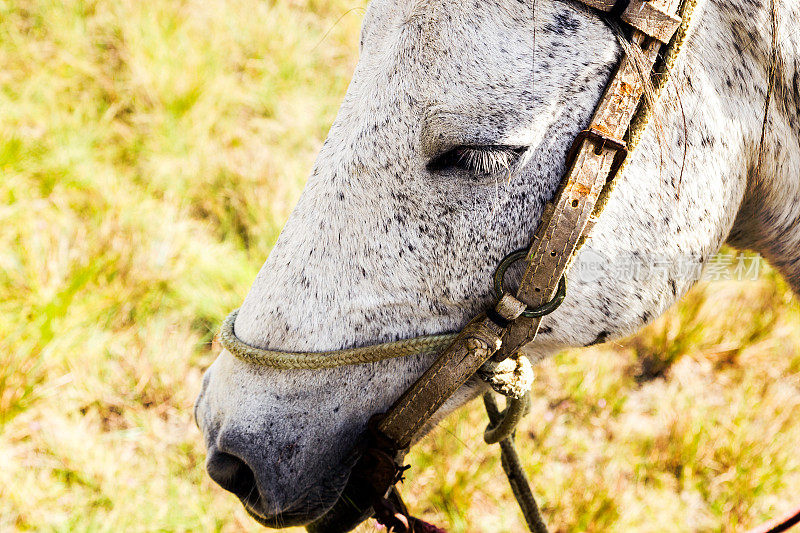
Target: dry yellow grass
[{"x": 149, "y": 153}]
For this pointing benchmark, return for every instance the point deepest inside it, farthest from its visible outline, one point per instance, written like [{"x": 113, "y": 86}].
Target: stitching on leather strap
[
  {"x": 579, "y": 227},
  {"x": 417, "y": 392}
]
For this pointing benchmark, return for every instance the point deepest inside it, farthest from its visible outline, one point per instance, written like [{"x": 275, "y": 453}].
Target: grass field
[{"x": 149, "y": 154}]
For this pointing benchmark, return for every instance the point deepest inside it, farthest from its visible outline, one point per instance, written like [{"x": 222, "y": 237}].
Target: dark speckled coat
[{"x": 380, "y": 246}]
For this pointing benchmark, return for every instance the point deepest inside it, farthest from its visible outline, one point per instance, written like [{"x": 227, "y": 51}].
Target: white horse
[{"x": 451, "y": 138}]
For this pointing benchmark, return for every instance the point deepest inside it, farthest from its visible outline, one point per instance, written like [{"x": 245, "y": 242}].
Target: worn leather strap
[
  {"x": 470, "y": 350},
  {"x": 565, "y": 221}
]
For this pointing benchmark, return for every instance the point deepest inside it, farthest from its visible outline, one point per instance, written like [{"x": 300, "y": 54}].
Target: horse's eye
[{"x": 487, "y": 160}]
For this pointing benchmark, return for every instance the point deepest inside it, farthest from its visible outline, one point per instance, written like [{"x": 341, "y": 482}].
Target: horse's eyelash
[{"x": 479, "y": 160}]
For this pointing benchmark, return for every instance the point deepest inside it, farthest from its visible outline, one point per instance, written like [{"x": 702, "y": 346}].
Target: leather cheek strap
[{"x": 564, "y": 223}]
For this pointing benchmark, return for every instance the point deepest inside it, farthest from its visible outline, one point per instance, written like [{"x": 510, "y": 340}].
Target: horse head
[{"x": 450, "y": 141}]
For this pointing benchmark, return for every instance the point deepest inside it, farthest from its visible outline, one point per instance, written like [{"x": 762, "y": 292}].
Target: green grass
[{"x": 149, "y": 154}]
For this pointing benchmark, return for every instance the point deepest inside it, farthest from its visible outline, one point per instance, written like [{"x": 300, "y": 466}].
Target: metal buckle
[
  {"x": 530, "y": 312},
  {"x": 604, "y": 141}
]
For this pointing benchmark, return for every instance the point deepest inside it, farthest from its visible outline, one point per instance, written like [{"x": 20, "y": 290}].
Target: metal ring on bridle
[{"x": 530, "y": 312}]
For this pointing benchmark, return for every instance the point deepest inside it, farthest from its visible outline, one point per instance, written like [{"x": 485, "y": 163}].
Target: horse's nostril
[{"x": 232, "y": 474}]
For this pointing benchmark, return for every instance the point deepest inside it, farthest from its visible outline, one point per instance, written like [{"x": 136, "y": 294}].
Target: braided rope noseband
[{"x": 317, "y": 360}]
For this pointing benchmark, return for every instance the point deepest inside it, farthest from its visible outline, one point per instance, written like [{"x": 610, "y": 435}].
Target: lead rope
[
  {"x": 512, "y": 378},
  {"x": 509, "y": 458}
]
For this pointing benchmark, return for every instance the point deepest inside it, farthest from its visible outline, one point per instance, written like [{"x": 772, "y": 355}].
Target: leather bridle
[{"x": 656, "y": 34}]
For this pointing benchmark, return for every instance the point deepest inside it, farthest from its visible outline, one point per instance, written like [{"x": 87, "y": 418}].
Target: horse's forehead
[
  {"x": 443, "y": 20},
  {"x": 479, "y": 55},
  {"x": 452, "y": 36},
  {"x": 423, "y": 41},
  {"x": 437, "y": 8}
]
